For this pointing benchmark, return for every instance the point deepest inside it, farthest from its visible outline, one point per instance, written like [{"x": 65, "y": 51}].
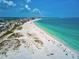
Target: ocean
[{"x": 65, "y": 29}]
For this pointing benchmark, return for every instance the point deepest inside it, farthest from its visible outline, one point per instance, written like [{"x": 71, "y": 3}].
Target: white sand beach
[{"x": 37, "y": 44}]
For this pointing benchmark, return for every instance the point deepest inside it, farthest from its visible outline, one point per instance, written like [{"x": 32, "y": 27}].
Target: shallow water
[{"x": 66, "y": 29}]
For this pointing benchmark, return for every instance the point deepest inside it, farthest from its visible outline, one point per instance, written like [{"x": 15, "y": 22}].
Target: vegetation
[{"x": 9, "y": 32}]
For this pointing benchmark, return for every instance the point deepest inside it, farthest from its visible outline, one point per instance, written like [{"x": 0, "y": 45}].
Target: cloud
[
  {"x": 9, "y": 3},
  {"x": 36, "y": 12},
  {"x": 28, "y": 1},
  {"x": 27, "y": 7}
]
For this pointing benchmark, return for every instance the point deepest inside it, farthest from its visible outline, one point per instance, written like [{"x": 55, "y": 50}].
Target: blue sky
[{"x": 49, "y": 8}]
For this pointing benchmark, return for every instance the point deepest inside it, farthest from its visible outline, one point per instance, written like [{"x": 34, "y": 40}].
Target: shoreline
[
  {"x": 73, "y": 52},
  {"x": 58, "y": 39},
  {"x": 36, "y": 43}
]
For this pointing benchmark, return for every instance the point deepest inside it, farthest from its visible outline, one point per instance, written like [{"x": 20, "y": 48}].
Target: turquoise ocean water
[{"x": 66, "y": 29}]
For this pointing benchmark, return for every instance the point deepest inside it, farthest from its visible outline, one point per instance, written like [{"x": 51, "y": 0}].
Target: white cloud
[
  {"x": 36, "y": 12},
  {"x": 9, "y": 3},
  {"x": 28, "y": 1},
  {"x": 27, "y": 7}
]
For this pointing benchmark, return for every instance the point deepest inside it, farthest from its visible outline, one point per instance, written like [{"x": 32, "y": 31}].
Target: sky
[{"x": 47, "y": 8}]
